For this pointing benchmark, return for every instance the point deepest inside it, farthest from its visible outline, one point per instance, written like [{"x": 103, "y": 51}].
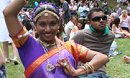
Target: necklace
[
  {"x": 45, "y": 44},
  {"x": 49, "y": 66}
]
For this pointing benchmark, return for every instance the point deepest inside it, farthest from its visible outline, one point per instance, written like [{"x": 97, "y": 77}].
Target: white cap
[{"x": 114, "y": 15}]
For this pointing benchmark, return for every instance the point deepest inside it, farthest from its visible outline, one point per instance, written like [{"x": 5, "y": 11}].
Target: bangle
[
  {"x": 85, "y": 68},
  {"x": 90, "y": 66}
]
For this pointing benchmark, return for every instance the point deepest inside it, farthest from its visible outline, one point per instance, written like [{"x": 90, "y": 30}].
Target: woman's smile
[{"x": 48, "y": 34}]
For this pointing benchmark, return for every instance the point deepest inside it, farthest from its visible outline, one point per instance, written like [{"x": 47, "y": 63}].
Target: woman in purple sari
[{"x": 48, "y": 56}]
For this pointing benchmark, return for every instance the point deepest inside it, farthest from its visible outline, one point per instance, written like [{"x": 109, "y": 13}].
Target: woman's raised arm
[{"x": 10, "y": 13}]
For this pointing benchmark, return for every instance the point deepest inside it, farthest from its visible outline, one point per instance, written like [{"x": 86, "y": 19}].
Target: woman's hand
[{"x": 67, "y": 67}]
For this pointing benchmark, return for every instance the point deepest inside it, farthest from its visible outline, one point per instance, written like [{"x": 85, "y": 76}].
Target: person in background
[
  {"x": 65, "y": 11},
  {"x": 128, "y": 8},
  {"x": 27, "y": 22},
  {"x": 116, "y": 29},
  {"x": 69, "y": 26},
  {"x": 81, "y": 11},
  {"x": 96, "y": 4},
  {"x": 80, "y": 24},
  {"x": 73, "y": 7},
  {"x": 76, "y": 28},
  {"x": 48, "y": 56},
  {"x": 119, "y": 9},
  {"x": 29, "y": 25},
  {"x": 125, "y": 21},
  {"x": 4, "y": 36},
  {"x": 98, "y": 38},
  {"x": 111, "y": 19},
  {"x": 2, "y": 66}
]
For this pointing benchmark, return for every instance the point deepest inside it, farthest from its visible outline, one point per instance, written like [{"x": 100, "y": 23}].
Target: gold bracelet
[
  {"x": 91, "y": 67},
  {"x": 86, "y": 67},
  {"x": 83, "y": 67}
]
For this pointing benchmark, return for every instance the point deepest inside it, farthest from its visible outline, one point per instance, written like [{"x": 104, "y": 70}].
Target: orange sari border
[
  {"x": 32, "y": 67},
  {"x": 83, "y": 56},
  {"x": 72, "y": 47},
  {"x": 20, "y": 41}
]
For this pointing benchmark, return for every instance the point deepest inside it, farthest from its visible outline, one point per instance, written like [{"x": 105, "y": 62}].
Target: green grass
[
  {"x": 117, "y": 68},
  {"x": 14, "y": 71}
]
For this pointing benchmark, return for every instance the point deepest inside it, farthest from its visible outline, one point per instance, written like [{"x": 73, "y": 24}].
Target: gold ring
[{"x": 65, "y": 64}]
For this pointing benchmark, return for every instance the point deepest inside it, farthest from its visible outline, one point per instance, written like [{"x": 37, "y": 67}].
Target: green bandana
[{"x": 106, "y": 31}]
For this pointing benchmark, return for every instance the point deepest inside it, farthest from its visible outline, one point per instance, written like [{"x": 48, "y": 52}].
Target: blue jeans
[
  {"x": 95, "y": 75},
  {"x": 2, "y": 72}
]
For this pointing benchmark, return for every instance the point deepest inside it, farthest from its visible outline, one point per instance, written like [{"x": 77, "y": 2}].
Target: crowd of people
[{"x": 69, "y": 41}]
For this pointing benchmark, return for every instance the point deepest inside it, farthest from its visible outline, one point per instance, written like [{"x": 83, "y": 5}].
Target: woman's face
[
  {"x": 79, "y": 26},
  {"x": 47, "y": 27}
]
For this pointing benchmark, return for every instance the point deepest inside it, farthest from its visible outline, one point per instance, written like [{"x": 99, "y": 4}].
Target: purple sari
[{"x": 31, "y": 50}]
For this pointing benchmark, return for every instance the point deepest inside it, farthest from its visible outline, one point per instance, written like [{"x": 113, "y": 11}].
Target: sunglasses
[{"x": 98, "y": 18}]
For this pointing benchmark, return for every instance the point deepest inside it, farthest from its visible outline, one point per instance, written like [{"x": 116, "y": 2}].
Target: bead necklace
[
  {"x": 49, "y": 66},
  {"x": 46, "y": 45}
]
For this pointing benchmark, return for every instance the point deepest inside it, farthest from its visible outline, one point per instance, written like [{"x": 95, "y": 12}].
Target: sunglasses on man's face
[{"x": 98, "y": 18}]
